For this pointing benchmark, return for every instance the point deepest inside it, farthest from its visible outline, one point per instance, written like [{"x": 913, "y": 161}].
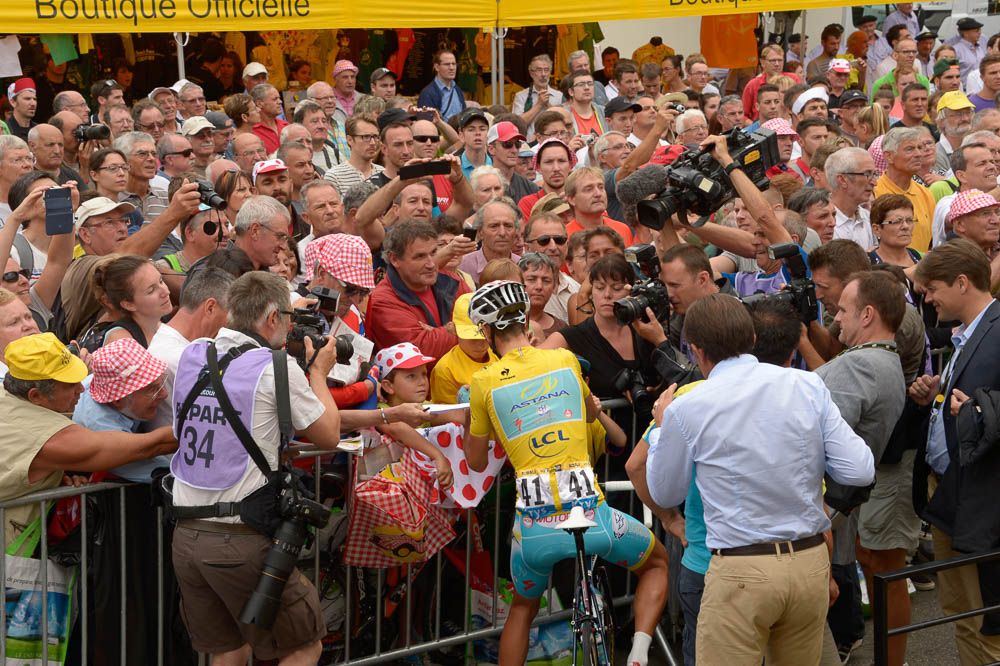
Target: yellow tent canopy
[{"x": 110, "y": 16}]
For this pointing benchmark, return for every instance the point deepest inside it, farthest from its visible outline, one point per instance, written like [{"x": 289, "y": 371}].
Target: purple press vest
[
  {"x": 747, "y": 284},
  {"x": 209, "y": 455}
]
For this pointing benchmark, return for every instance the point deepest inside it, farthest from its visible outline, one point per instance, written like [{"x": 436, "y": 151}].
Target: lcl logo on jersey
[{"x": 542, "y": 445}]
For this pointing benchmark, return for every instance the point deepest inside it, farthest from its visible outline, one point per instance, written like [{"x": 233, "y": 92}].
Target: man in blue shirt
[
  {"x": 737, "y": 446},
  {"x": 443, "y": 92},
  {"x": 126, "y": 388}
]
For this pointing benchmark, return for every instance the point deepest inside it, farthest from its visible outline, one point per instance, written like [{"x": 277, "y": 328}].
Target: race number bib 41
[{"x": 557, "y": 489}]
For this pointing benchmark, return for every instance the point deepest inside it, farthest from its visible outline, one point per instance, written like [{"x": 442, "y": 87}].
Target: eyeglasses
[
  {"x": 114, "y": 168},
  {"x": 583, "y": 84},
  {"x": 987, "y": 212},
  {"x": 426, "y": 138},
  {"x": 352, "y": 291},
  {"x": 545, "y": 240},
  {"x": 254, "y": 152},
  {"x": 154, "y": 391},
  {"x": 144, "y": 154},
  {"x": 696, "y": 128},
  {"x": 191, "y": 100},
  {"x": 324, "y": 98},
  {"x": 540, "y": 70},
  {"x": 187, "y": 152},
  {"x": 868, "y": 175},
  {"x": 908, "y": 221},
  {"x": 280, "y": 235},
  {"x": 110, "y": 223},
  {"x": 23, "y": 160},
  {"x": 151, "y": 126},
  {"x": 12, "y": 276},
  {"x": 513, "y": 143},
  {"x": 368, "y": 138},
  {"x": 908, "y": 52}
]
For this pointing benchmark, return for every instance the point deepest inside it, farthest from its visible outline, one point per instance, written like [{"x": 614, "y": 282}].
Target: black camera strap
[
  {"x": 246, "y": 439},
  {"x": 204, "y": 380},
  {"x": 280, "y": 360}
]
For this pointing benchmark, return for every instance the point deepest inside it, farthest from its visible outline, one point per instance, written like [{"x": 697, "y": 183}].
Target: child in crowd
[
  {"x": 404, "y": 379},
  {"x": 454, "y": 370}
]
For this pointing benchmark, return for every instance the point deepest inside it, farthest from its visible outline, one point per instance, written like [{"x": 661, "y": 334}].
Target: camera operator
[{"x": 219, "y": 476}]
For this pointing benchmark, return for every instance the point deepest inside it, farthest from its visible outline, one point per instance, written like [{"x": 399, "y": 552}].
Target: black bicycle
[{"x": 593, "y": 620}]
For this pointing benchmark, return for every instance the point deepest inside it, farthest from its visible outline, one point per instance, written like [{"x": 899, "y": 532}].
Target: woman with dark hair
[
  {"x": 617, "y": 352},
  {"x": 109, "y": 175},
  {"x": 235, "y": 188},
  {"x": 123, "y": 75},
  {"x": 288, "y": 266},
  {"x": 230, "y": 71}
]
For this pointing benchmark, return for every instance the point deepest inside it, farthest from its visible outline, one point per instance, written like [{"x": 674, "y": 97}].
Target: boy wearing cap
[
  {"x": 453, "y": 371},
  {"x": 383, "y": 83},
  {"x": 473, "y": 128},
  {"x": 24, "y": 103},
  {"x": 39, "y": 442},
  {"x": 404, "y": 380},
  {"x": 786, "y": 139}
]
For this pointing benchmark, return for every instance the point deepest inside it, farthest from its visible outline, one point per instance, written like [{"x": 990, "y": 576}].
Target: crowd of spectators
[{"x": 888, "y": 184}]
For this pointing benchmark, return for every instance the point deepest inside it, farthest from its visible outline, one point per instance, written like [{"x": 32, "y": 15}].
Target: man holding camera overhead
[{"x": 218, "y": 557}]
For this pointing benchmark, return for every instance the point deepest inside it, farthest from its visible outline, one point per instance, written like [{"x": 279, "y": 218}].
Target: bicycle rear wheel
[{"x": 604, "y": 611}]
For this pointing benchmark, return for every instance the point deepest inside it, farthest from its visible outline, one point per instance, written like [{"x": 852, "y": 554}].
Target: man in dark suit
[{"x": 962, "y": 509}]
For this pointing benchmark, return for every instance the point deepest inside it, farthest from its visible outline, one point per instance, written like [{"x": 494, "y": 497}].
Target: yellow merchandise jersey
[
  {"x": 534, "y": 400},
  {"x": 453, "y": 371}
]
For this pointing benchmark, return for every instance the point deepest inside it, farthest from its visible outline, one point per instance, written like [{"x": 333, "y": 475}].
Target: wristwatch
[{"x": 732, "y": 166}]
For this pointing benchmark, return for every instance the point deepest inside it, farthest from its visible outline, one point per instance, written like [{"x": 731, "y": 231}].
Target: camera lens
[
  {"x": 92, "y": 132},
  {"x": 630, "y": 308}
]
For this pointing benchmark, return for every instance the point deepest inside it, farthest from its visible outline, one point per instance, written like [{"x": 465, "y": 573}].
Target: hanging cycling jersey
[{"x": 535, "y": 402}]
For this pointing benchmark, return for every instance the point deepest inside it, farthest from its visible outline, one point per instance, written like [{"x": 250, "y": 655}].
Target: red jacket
[{"x": 396, "y": 314}]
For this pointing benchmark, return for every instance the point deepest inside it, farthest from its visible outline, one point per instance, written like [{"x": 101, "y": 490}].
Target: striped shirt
[{"x": 344, "y": 176}]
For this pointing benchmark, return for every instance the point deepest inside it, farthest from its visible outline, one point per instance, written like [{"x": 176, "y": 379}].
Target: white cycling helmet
[{"x": 499, "y": 304}]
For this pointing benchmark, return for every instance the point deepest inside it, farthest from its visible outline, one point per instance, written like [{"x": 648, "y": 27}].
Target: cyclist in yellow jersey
[{"x": 535, "y": 403}]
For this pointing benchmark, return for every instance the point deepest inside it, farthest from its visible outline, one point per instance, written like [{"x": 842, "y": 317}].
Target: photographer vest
[
  {"x": 210, "y": 455},
  {"x": 747, "y": 284}
]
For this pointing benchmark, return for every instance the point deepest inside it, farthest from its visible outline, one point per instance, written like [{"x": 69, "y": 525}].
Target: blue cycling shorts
[{"x": 539, "y": 544}]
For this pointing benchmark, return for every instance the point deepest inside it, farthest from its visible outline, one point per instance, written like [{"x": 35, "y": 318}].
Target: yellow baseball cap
[
  {"x": 41, "y": 356},
  {"x": 954, "y": 100},
  {"x": 464, "y": 328}
]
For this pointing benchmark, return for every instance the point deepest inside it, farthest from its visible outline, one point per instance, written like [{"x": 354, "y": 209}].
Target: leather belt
[{"x": 772, "y": 548}]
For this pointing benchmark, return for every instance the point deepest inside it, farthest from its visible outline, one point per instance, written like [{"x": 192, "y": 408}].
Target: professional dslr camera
[
  {"x": 91, "y": 132},
  {"x": 307, "y": 322},
  {"x": 298, "y": 511},
  {"x": 800, "y": 291},
  {"x": 208, "y": 195},
  {"x": 697, "y": 183},
  {"x": 648, "y": 291}
]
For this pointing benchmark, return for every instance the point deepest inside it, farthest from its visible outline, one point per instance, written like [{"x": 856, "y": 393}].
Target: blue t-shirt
[{"x": 696, "y": 555}]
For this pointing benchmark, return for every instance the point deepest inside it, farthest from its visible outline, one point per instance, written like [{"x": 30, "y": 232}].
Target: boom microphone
[{"x": 650, "y": 179}]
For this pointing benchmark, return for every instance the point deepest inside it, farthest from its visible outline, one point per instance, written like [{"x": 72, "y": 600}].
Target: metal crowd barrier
[
  {"x": 880, "y": 610},
  {"x": 405, "y": 645}
]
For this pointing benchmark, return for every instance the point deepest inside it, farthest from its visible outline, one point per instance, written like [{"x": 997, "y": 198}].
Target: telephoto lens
[{"x": 264, "y": 603}]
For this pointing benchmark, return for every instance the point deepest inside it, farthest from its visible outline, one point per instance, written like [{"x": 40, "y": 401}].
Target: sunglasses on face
[
  {"x": 425, "y": 138},
  {"x": 513, "y": 143},
  {"x": 12, "y": 276},
  {"x": 188, "y": 152},
  {"x": 545, "y": 240}
]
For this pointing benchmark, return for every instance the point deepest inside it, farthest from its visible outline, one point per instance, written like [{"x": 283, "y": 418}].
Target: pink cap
[
  {"x": 347, "y": 258},
  {"x": 504, "y": 131},
  {"x": 23, "y": 84},
  {"x": 780, "y": 126},
  {"x": 122, "y": 368},
  {"x": 665, "y": 155},
  {"x": 840, "y": 65},
  {"x": 970, "y": 201},
  {"x": 344, "y": 66},
  {"x": 403, "y": 355},
  {"x": 267, "y": 166},
  {"x": 546, "y": 143}
]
